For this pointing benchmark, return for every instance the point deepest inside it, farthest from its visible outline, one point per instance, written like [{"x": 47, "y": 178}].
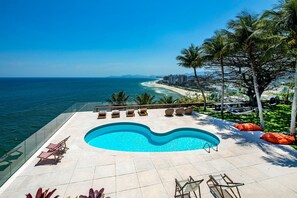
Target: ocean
[{"x": 27, "y": 104}]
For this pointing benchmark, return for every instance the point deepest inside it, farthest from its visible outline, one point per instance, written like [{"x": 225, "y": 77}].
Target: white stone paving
[{"x": 267, "y": 170}]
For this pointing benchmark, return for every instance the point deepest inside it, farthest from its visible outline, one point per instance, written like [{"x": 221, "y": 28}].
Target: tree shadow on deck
[{"x": 280, "y": 155}]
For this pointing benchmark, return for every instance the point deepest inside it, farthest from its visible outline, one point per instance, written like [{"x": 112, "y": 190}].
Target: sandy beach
[{"x": 180, "y": 91}]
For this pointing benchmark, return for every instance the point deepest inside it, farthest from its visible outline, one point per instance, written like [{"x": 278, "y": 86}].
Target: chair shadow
[
  {"x": 52, "y": 161},
  {"x": 48, "y": 162}
]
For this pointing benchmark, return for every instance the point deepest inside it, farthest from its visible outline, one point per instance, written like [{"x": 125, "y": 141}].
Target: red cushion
[
  {"x": 248, "y": 127},
  {"x": 278, "y": 138}
]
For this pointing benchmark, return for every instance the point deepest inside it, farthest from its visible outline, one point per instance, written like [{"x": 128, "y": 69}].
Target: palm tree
[
  {"x": 118, "y": 99},
  {"x": 285, "y": 19},
  {"x": 193, "y": 58},
  {"x": 217, "y": 48},
  {"x": 246, "y": 35},
  {"x": 144, "y": 98},
  {"x": 167, "y": 100}
]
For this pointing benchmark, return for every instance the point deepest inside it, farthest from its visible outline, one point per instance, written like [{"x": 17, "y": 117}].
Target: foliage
[
  {"x": 167, "y": 100},
  {"x": 217, "y": 47},
  {"x": 277, "y": 118},
  {"x": 118, "y": 99},
  {"x": 214, "y": 97},
  {"x": 192, "y": 57},
  {"x": 285, "y": 95},
  {"x": 144, "y": 98},
  {"x": 190, "y": 99},
  {"x": 250, "y": 43},
  {"x": 45, "y": 194},
  {"x": 285, "y": 19},
  {"x": 94, "y": 194}
]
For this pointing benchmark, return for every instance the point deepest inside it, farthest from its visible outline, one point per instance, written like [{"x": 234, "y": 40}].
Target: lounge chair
[
  {"x": 101, "y": 114},
  {"x": 184, "y": 188},
  {"x": 142, "y": 112},
  {"x": 179, "y": 111},
  {"x": 130, "y": 113},
  {"x": 115, "y": 114},
  {"x": 222, "y": 186},
  {"x": 169, "y": 112},
  {"x": 47, "y": 155},
  {"x": 189, "y": 110},
  {"x": 61, "y": 145}
]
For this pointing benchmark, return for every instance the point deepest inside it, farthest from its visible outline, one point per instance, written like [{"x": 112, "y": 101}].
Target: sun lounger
[
  {"x": 101, "y": 114},
  {"x": 115, "y": 114},
  {"x": 130, "y": 113},
  {"x": 61, "y": 145},
  {"x": 179, "y": 111},
  {"x": 169, "y": 112},
  {"x": 189, "y": 110},
  {"x": 222, "y": 186},
  {"x": 49, "y": 154},
  {"x": 142, "y": 112},
  {"x": 185, "y": 187}
]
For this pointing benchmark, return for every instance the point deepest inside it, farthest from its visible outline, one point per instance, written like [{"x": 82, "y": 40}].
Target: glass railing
[{"x": 14, "y": 159}]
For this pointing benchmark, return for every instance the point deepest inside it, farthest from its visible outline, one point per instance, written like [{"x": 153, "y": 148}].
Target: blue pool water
[{"x": 135, "y": 137}]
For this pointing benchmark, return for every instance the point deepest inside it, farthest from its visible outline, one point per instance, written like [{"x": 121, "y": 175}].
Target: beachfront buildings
[{"x": 177, "y": 79}]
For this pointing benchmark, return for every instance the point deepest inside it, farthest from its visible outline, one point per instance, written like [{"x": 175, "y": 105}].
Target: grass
[{"x": 277, "y": 118}]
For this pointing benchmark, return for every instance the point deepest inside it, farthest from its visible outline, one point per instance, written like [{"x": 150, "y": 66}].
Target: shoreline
[{"x": 180, "y": 91}]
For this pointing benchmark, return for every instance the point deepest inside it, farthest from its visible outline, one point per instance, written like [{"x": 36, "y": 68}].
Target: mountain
[{"x": 133, "y": 76}]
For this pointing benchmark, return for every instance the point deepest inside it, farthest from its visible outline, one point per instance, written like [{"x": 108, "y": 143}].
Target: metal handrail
[{"x": 216, "y": 148}]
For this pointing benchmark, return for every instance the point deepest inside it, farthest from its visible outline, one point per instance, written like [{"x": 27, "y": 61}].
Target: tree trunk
[
  {"x": 252, "y": 96},
  {"x": 201, "y": 89},
  {"x": 256, "y": 87},
  {"x": 222, "y": 95},
  {"x": 258, "y": 98},
  {"x": 294, "y": 106}
]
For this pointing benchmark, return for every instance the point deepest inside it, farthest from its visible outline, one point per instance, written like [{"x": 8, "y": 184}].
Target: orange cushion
[
  {"x": 248, "y": 127},
  {"x": 278, "y": 138}
]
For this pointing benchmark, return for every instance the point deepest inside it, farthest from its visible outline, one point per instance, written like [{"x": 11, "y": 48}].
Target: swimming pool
[{"x": 134, "y": 137}]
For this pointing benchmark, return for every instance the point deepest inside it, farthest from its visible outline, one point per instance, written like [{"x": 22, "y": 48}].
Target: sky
[{"x": 95, "y": 38}]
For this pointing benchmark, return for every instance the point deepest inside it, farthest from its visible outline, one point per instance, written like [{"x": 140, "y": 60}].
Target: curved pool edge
[{"x": 176, "y": 133}]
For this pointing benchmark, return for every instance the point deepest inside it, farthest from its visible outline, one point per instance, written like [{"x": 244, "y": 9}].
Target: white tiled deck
[{"x": 267, "y": 170}]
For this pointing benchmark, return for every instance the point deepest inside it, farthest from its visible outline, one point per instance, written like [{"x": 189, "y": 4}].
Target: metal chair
[
  {"x": 184, "y": 188},
  {"x": 222, "y": 186}
]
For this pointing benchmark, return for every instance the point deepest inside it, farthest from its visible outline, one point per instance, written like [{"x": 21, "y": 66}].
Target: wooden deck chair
[
  {"x": 143, "y": 112},
  {"x": 189, "y": 110},
  {"x": 130, "y": 113},
  {"x": 169, "y": 112},
  {"x": 115, "y": 114},
  {"x": 222, "y": 186},
  {"x": 184, "y": 188},
  {"x": 47, "y": 155},
  {"x": 61, "y": 145},
  {"x": 101, "y": 114},
  {"x": 179, "y": 111}
]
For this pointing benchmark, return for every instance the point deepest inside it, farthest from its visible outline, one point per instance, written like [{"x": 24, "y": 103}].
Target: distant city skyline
[{"x": 107, "y": 38}]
